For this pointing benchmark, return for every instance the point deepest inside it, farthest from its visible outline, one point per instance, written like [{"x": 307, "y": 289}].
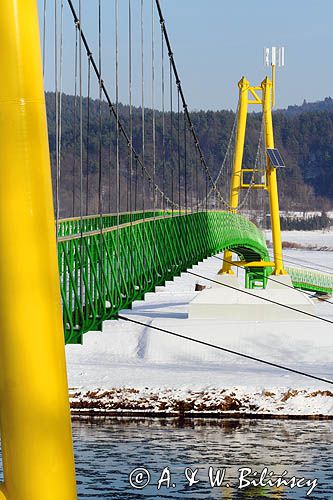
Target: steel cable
[
  {"x": 109, "y": 101},
  {"x": 224, "y": 349},
  {"x": 263, "y": 298},
  {"x": 88, "y": 135},
  {"x": 75, "y": 119},
  {"x": 185, "y": 106},
  {"x": 271, "y": 279}
]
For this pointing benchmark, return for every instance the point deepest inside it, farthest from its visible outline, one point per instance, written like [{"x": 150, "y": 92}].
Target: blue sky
[{"x": 215, "y": 42}]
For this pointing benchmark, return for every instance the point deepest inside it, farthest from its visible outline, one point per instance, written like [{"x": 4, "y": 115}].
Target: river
[{"x": 108, "y": 450}]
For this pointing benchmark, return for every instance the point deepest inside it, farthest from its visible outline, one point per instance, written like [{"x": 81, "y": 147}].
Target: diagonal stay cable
[
  {"x": 225, "y": 349},
  {"x": 262, "y": 298},
  {"x": 298, "y": 261},
  {"x": 270, "y": 279},
  {"x": 109, "y": 101}
]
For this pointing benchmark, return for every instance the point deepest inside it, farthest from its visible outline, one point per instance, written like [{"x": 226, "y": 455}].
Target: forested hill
[
  {"x": 304, "y": 137},
  {"x": 325, "y": 105}
]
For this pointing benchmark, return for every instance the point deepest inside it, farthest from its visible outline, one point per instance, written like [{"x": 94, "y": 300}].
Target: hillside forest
[{"x": 303, "y": 135}]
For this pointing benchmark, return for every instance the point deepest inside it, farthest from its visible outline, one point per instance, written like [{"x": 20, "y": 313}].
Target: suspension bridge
[
  {"x": 170, "y": 210},
  {"x": 132, "y": 210}
]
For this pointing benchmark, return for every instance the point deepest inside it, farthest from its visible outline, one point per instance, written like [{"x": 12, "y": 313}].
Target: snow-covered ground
[
  {"x": 131, "y": 367},
  {"x": 321, "y": 239}
]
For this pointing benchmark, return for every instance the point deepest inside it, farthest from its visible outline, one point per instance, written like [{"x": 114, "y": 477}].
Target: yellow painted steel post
[
  {"x": 239, "y": 146},
  {"x": 243, "y": 85},
  {"x": 34, "y": 411},
  {"x": 273, "y": 84},
  {"x": 271, "y": 178}
]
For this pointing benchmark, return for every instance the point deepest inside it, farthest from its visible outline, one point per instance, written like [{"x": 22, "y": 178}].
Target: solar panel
[{"x": 275, "y": 158}]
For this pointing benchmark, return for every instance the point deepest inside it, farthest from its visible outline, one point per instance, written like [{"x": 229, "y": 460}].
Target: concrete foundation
[
  {"x": 228, "y": 279},
  {"x": 294, "y": 341},
  {"x": 280, "y": 282},
  {"x": 223, "y": 302}
]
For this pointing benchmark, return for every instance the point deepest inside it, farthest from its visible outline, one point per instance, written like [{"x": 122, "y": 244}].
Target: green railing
[
  {"x": 311, "y": 280},
  {"x": 108, "y": 262},
  {"x": 104, "y": 266},
  {"x": 75, "y": 225}
]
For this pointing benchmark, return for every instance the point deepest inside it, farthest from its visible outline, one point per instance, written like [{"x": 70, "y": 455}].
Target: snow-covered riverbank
[{"x": 131, "y": 368}]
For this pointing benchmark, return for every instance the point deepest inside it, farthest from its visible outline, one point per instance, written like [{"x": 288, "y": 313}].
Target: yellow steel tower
[
  {"x": 259, "y": 95},
  {"x": 34, "y": 411}
]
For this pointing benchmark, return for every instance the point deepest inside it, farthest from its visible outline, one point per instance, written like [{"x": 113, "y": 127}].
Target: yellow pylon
[
  {"x": 245, "y": 89},
  {"x": 34, "y": 411},
  {"x": 271, "y": 178}
]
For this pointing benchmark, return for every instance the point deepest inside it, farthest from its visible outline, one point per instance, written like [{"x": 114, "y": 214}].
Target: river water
[{"x": 108, "y": 450}]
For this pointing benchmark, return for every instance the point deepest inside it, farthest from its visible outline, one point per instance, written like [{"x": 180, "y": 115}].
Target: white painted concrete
[
  {"x": 279, "y": 281},
  {"x": 225, "y": 303},
  {"x": 227, "y": 279}
]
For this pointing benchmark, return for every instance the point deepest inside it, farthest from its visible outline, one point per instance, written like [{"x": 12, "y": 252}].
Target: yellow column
[
  {"x": 239, "y": 146},
  {"x": 243, "y": 85},
  {"x": 273, "y": 84},
  {"x": 34, "y": 410},
  {"x": 271, "y": 178}
]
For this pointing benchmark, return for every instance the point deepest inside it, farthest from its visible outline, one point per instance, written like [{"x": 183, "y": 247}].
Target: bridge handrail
[
  {"x": 77, "y": 225},
  {"x": 104, "y": 270},
  {"x": 316, "y": 281}
]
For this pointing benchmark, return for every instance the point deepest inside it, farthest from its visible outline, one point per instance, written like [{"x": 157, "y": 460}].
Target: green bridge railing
[
  {"x": 311, "y": 280},
  {"x": 107, "y": 262},
  {"x": 76, "y": 225},
  {"x": 105, "y": 266}
]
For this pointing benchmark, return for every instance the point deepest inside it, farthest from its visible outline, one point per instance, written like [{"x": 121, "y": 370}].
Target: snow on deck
[{"x": 133, "y": 368}]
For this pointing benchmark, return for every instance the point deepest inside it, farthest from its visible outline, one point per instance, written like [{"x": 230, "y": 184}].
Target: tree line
[{"x": 304, "y": 139}]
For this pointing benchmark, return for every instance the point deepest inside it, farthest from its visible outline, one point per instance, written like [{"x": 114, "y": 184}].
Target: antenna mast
[{"x": 274, "y": 57}]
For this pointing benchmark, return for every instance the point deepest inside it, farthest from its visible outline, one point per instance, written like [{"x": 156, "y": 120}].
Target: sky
[{"x": 214, "y": 42}]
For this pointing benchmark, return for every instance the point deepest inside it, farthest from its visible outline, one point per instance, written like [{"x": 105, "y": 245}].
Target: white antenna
[
  {"x": 281, "y": 56},
  {"x": 274, "y": 56},
  {"x": 266, "y": 57}
]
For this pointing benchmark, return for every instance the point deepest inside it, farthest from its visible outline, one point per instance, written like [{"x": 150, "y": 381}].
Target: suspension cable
[
  {"x": 263, "y": 298},
  {"x": 109, "y": 101},
  {"x": 153, "y": 103},
  {"x": 130, "y": 101},
  {"x": 258, "y": 155},
  {"x": 75, "y": 117},
  {"x": 82, "y": 292},
  {"x": 178, "y": 148},
  {"x": 271, "y": 279},
  {"x": 226, "y": 156},
  {"x": 116, "y": 6},
  {"x": 163, "y": 116},
  {"x": 142, "y": 106},
  {"x": 100, "y": 95},
  {"x": 60, "y": 102},
  {"x": 308, "y": 262},
  {"x": 56, "y": 84},
  {"x": 88, "y": 135},
  {"x": 185, "y": 163},
  {"x": 185, "y": 106},
  {"x": 81, "y": 122},
  {"x": 153, "y": 122},
  {"x": 171, "y": 136}
]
